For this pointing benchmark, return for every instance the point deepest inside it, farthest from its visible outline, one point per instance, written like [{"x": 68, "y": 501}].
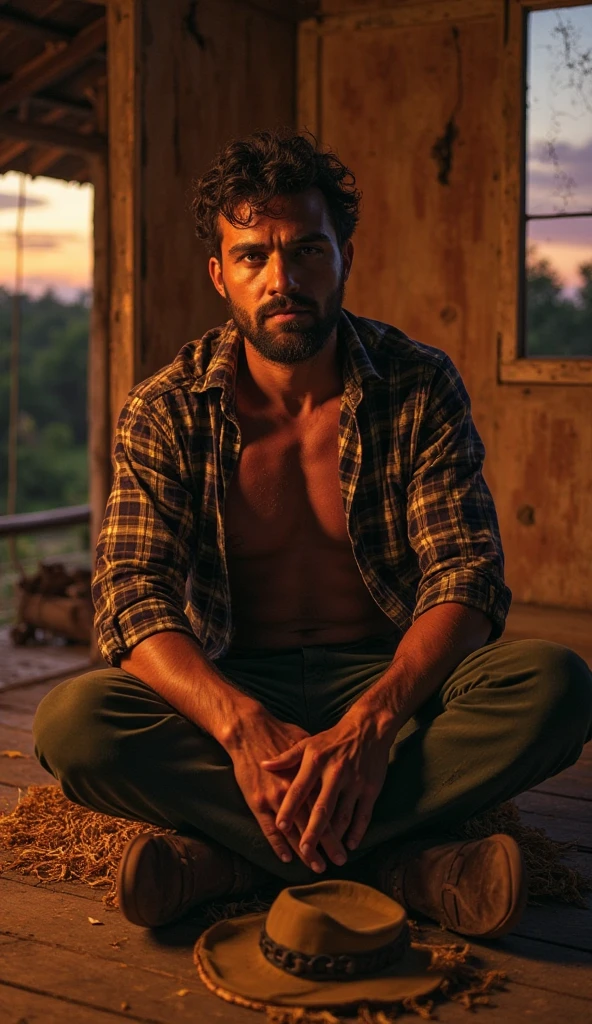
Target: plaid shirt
[{"x": 420, "y": 516}]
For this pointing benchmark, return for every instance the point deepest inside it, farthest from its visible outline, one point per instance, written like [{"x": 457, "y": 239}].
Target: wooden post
[
  {"x": 99, "y": 416},
  {"x": 123, "y": 34}
]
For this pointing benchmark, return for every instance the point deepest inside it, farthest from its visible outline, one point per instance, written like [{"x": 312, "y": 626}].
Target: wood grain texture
[
  {"x": 99, "y": 442},
  {"x": 391, "y": 94},
  {"x": 123, "y": 42},
  {"x": 19, "y": 1004},
  {"x": 200, "y": 86}
]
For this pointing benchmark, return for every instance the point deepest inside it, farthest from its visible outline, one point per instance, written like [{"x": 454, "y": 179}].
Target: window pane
[
  {"x": 558, "y": 298},
  {"x": 559, "y": 111},
  {"x": 558, "y": 181}
]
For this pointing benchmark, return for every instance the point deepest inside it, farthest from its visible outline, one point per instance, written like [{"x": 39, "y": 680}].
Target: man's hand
[
  {"x": 264, "y": 738},
  {"x": 347, "y": 766}
]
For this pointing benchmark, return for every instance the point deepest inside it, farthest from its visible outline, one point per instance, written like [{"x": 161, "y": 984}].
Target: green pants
[{"x": 511, "y": 715}]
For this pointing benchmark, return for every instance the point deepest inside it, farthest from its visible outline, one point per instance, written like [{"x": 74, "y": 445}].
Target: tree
[
  {"x": 52, "y": 435},
  {"x": 556, "y": 325}
]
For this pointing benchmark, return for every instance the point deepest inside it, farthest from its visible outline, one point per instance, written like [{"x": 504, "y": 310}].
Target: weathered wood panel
[
  {"x": 410, "y": 96},
  {"x": 183, "y": 79},
  {"x": 226, "y": 69},
  {"x": 123, "y": 26}
]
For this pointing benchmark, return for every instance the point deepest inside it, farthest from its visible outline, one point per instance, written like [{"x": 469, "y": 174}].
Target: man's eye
[{"x": 303, "y": 248}]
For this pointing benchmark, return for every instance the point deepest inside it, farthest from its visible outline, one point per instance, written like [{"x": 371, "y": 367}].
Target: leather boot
[
  {"x": 162, "y": 878},
  {"x": 475, "y": 888}
]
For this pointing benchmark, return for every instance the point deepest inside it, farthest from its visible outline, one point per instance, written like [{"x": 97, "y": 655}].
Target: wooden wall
[
  {"x": 183, "y": 78},
  {"x": 380, "y": 83}
]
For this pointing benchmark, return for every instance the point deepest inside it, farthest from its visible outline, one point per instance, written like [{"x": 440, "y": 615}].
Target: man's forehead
[{"x": 305, "y": 212}]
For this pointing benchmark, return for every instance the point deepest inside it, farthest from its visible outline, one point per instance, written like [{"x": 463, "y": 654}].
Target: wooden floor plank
[
  {"x": 112, "y": 985},
  {"x": 20, "y": 719},
  {"x": 564, "y": 829},
  {"x": 27, "y": 698},
  {"x": 567, "y": 926},
  {"x": 21, "y": 1006},
  {"x": 568, "y": 785},
  {"x": 538, "y": 801},
  {"x": 23, "y": 772},
  {"x": 8, "y": 798},
  {"x": 20, "y": 664},
  {"x": 13, "y": 737},
  {"x": 525, "y": 960}
]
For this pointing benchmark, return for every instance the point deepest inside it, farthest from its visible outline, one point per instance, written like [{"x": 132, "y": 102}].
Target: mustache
[{"x": 290, "y": 308}]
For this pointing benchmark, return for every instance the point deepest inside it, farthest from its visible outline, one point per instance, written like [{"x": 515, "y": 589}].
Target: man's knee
[
  {"x": 67, "y": 729},
  {"x": 562, "y": 687}
]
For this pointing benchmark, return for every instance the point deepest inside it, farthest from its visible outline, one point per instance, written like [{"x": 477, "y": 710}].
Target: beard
[{"x": 289, "y": 343}]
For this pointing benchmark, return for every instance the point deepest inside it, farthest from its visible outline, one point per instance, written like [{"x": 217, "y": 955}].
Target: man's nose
[{"x": 282, "y": 274}]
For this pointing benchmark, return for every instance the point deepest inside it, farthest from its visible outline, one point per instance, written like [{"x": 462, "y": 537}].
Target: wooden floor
[{"x": 57, "y": 968}]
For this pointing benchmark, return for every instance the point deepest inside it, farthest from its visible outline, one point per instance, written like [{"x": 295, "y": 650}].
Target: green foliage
[
  {"x": 52, "y": 432},
  {"x": 557, "y": 325}
]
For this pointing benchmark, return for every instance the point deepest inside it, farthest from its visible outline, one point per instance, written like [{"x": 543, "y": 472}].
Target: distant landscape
[
  {"x": 52, "y": 441},
  {"x": 557, "y": 324},
  {"x": 53, "y": 431}
]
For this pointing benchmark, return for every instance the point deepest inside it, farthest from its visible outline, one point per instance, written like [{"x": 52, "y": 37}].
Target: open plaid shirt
[{"x": 420, "y": 516}]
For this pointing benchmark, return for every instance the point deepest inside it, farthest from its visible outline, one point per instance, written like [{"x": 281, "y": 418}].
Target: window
[
  {"x": 557, "y": 281},
  {"x": 546, "y": 319}
]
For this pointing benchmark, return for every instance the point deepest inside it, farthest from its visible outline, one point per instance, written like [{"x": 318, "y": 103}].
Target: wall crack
[{"x": 443, "y": 148}]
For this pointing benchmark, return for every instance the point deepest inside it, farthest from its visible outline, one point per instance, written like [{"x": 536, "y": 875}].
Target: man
[{"x": 299, "y": 592}]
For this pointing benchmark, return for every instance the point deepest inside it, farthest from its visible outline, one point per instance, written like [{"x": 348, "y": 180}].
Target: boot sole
[{"x": 517, "y": 871}]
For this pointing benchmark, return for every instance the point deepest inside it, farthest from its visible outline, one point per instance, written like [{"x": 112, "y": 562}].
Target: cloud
[
  {"x": 38, "y": 240},
  {"x": 566, "y": 230},
  {"x": 562, "y": 186},
  {"x": 9, "y": 201}
]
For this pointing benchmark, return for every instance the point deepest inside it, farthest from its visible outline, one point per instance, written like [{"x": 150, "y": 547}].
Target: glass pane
[
  {"x": 559, "y": 111},
  {"x": 558, "y": 296}
]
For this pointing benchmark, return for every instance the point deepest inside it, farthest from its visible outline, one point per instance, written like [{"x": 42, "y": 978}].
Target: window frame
[{"x": 513, "y": 366}]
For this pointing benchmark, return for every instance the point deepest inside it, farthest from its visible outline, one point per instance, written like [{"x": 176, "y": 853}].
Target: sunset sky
[{"x": 58, "y": 216}]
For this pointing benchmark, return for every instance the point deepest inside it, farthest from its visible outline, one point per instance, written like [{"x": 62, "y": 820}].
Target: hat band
[{"x": 344, "y": 967}]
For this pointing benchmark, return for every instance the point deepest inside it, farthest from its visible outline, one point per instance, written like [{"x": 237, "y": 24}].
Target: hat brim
[{"x": 230, "y": 963}]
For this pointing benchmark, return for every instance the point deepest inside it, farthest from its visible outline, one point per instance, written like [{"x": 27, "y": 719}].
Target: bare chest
[{"x": 285, "y": 487}]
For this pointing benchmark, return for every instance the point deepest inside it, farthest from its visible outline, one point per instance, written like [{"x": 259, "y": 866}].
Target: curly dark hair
[{"x": 268, "y": 163}]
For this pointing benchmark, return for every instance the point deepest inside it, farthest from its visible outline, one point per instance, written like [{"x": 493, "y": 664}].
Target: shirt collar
[{"x": 357, "y": 364}]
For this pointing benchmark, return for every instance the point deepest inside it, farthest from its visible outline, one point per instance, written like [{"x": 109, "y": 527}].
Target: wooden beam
[
  {"x": 70, "y": 105},
  {"x": 49, "y": 135},
  {"x": 56, "y": 61},
  {"x": 44, "y": 159},
  {"x": 49, "y": 519},
  {"x": 124, "y": 121},
  {"x": 285, "y": 10},
  {"x": 48, "y": 30},
  {"x": 99, "y": 417},
  {"x": 9, "y": 151}
]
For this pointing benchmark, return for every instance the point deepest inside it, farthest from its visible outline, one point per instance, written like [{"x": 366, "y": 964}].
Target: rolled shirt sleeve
[
  {"x": 452, "y": 522},
  {"x": 144, "y": 546}
]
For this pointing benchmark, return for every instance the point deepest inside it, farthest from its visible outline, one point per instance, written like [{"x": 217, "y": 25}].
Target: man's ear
[
  {"x": 348, "y": 257},
  {"x": 215, "y": 269}
]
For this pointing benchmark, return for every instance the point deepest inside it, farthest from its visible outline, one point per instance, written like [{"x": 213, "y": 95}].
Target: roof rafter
[
  {"x": 12, "y": 149},
  {"x": 13, "y": 18},
  {"x": 52, "y": 135},
  {"x": 56, "y": 61}
]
